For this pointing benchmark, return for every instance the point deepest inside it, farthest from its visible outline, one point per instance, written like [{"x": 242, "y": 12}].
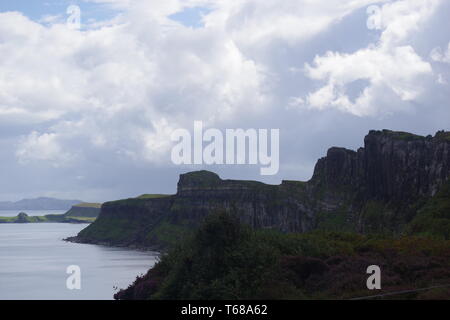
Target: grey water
[
  {"x": 14, "y": 213},
  {"x": 34, "y": 261}
]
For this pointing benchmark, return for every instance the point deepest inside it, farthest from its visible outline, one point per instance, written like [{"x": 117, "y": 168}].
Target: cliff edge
[{"x": 381, "y": 187}]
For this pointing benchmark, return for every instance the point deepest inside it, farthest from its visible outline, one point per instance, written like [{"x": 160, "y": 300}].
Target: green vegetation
[
  {"x": 88, "y": 205},
  {"x": 443, "y": 135},
  {"x": 112, "y": 231},
  {"x": 84, "y": 210},
  {"x": 433, "y": 219},
  {"x": 169, "y": 234},
  {"x": 80, "y": 213},
  {"x": 138, "y": 201},
  {"x": 402, "y": 135},
  {"x": 7, "y": 219},
  {"x": 335, "y": 221},
  {"x": 47, "y": 218},
  {"x": 382, "y": 193},
  {"x": 227, "y": 260},
  {"x": 72, "y": 219},
  {"x": 153, "y": 196},
  {"x": 376, "y": 217},
  {"x": 203, "y": 178}
]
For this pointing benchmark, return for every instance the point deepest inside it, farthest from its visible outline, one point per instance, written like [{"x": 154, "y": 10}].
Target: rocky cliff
[
  {"x": 84, "y": 209},
  {"x": 391, "y": 166},
  {"x": 378, "y": 188}
]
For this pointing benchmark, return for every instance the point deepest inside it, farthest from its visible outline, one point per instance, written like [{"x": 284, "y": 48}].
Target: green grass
[
  {"x": 335, "y": 221},
  {"x": 60, "y": 218},
  {"x": 7, "y": 219},
  {"x": 153, "y": 196},
  {"x": 33, "y": 219},
  {"x": 80, "y": 219},
  {"x": 433, "y": 219},
  {"x": 88, "y": 205},
  {"x": 403, "y": 135},
  {"x": 169, "y": 234}
]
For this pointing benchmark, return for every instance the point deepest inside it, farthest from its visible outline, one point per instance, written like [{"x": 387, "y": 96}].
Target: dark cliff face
[
  {"x": 391, "y": 166},
  {"x": 84, "y": 211},
  {"x": 381, "y": 186},
  {"x": 340, "y": 168},
  {"x": 127, "y": 223},
  {"x": 366, "y": 190},
  {"x": 404, "y": 166},
  {"x": 257, "y": 204}
]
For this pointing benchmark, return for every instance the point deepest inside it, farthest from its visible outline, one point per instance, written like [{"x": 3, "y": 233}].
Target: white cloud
[
  {"x": 255, "y": 23},
  {"x": 114, "y": 83},
  {"x": 43, "y": 147},
  {"x": 397, "y": 70},
  {"x": 295, "y": 103},
  {"x": 388, "y": 66},
  {"x": 441, "y": 80},
  {"x": 402, "y": 18},
  {"x": 108, "y": 96},
  {"x": 439, "y": 56}
]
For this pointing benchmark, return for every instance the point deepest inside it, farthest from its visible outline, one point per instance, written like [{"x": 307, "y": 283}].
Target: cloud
[
  {"x": 439, "y": 56},
  {"x": 400, "y": 19},
  {"x": 101, "y": 102},
  {"x": 116, "y": 4},
  {"x": 397, "y": 70},
  {"x": 253, "y": 23},
  {"x": 389, "y": 66},
  {"x": 43, "y": 147},
  {"x": 115, "y": 87}
]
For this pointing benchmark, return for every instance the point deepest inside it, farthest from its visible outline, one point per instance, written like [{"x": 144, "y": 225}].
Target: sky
[{"x": 87, "y": 113}]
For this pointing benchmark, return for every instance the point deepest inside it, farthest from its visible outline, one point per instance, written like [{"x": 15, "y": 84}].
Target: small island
[{"x": 80, "y": 213}]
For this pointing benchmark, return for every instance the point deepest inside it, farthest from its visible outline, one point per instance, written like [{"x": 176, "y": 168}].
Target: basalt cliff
[{"x": 397, "y": 183}]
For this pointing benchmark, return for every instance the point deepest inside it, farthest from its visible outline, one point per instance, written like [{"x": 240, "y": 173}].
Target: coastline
[{"x": 157, "y": 249}]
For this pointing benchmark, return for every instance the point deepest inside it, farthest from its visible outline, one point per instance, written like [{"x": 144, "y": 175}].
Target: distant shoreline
[{"x": 79, "y": 213}]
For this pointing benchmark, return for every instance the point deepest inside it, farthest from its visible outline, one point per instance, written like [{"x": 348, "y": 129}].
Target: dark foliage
[{"x": 228, "y": 260}]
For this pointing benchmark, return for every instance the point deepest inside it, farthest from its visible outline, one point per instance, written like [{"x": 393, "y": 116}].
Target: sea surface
[{"x": 34, "y": 262}]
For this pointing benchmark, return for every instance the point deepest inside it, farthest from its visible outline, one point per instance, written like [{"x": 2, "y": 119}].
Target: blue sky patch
[{"x": 191, "y": 17}]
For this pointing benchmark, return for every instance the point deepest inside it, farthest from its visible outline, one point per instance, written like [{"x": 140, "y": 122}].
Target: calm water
[
  {"x": 14, "y": 213},
  {"x": 33, "y": 262}
]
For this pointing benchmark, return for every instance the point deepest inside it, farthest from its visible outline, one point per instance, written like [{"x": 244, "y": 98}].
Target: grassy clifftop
[{"x": 84, "y": 210}]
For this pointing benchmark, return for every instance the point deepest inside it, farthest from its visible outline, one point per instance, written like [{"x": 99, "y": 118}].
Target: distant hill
[{"x": 41, "y": 203}]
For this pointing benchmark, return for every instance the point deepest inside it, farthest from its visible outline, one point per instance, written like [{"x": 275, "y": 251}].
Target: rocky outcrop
[
  {"x": 22, "y": 218},
  {"x": 376, "y": 187},
  {"x": 391, "y": 166},
  {"x": 89, "y": 210},
  {"x": 259, "y": 205}
]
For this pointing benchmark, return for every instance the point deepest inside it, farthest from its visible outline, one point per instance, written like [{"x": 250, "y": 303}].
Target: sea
[{"x": 35, "y": 261}]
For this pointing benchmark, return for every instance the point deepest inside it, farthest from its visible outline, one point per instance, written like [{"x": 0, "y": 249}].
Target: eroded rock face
[
  {"x": 391, "y": 166},
  {"x": 257, "y": 204},
  {"x": 405, "y": 166},
  {"x": 393, "y": 170}
]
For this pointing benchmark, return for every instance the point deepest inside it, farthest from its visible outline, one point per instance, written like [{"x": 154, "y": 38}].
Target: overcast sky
[{"x": 88, "y": 113}]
